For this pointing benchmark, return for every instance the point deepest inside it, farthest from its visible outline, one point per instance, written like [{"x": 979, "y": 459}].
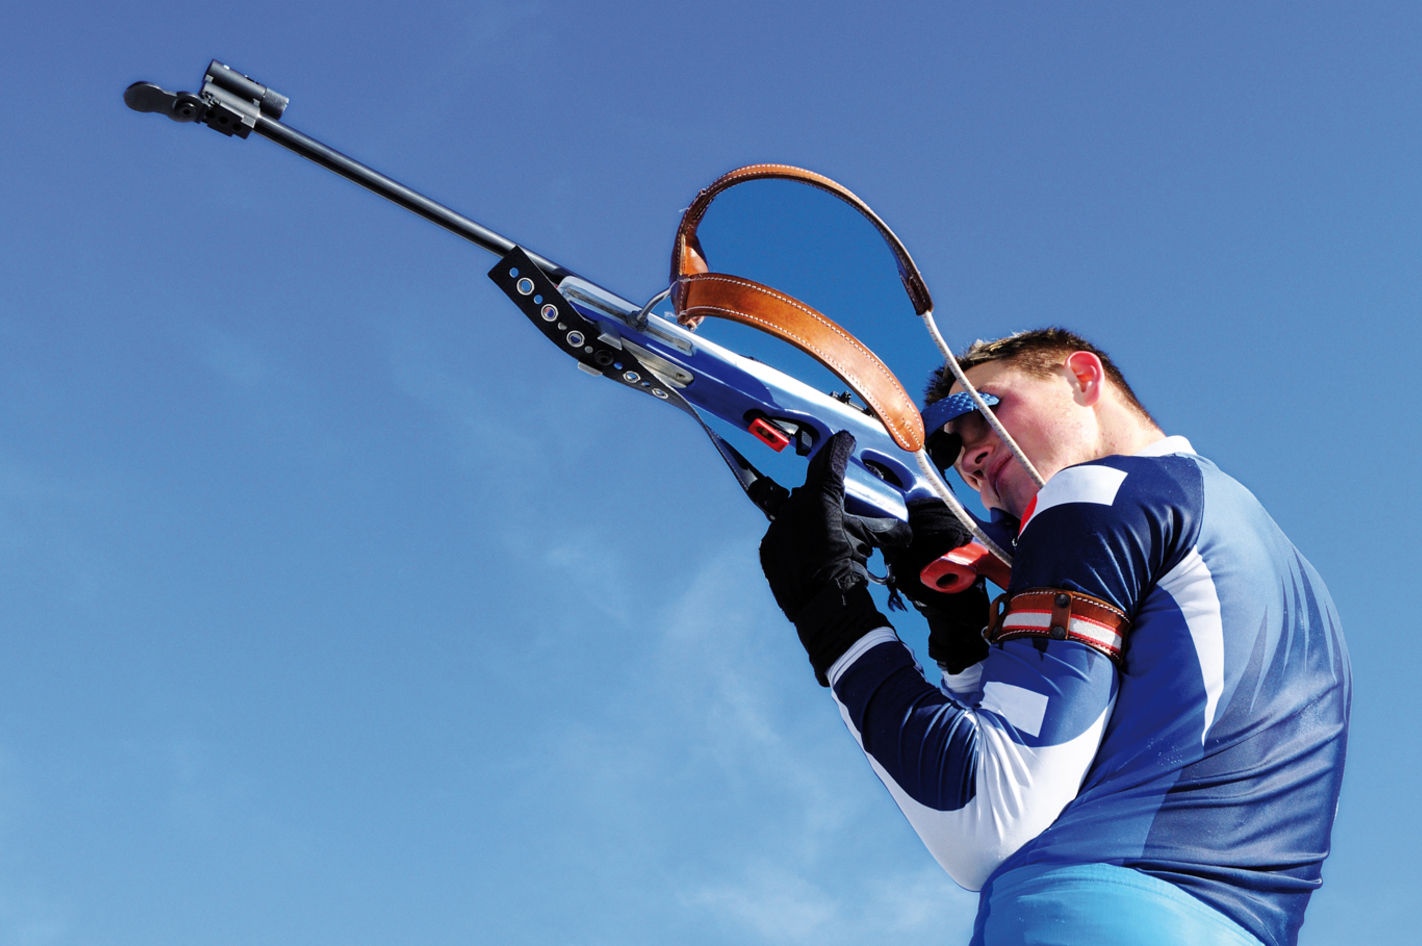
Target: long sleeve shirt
[{"x": 1211, "y": 758}]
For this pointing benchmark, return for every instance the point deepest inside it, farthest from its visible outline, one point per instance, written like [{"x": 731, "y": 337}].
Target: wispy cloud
[
  {"x": 27, "y": 921},
  {"x": 774, "y": 905},
  {"x": 46, "y": 529},
  {"x": 484, "y": 437},
  {"x": 731, "y": 787}
]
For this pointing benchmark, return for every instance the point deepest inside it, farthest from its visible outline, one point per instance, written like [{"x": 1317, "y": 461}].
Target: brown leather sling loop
[{"x": 698, "y": 293}]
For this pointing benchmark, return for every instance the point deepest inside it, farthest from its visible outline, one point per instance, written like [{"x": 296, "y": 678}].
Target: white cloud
[
  {"x": 774, "y": 905},
  {"x": 714, "y": 775}
]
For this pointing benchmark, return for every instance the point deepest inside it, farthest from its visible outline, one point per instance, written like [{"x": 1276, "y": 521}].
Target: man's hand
[
  {"x": 814, "y": 554},
  {"x": 955, "y": 622}
]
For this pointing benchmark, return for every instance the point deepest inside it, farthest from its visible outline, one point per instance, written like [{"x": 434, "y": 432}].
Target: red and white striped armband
[{"x": 1060, "y": 615}]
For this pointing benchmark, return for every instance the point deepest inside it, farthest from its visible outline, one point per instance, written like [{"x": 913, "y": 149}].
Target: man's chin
[
  {"x": 1015, "y": 497},
  {"x": 1016, "y": 505}
]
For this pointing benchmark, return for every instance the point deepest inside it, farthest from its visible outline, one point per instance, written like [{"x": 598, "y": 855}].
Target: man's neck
[{"x": 1124, "y": 431}]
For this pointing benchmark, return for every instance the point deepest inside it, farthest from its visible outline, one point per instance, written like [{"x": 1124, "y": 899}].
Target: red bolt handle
[{"x": 956, "y": 570}]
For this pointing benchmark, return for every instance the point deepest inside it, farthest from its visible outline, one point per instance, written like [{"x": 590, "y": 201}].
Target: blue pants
[{"x": 1097, "y": 905}]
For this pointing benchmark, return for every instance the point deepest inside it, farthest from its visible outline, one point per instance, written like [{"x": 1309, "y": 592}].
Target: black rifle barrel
[{"x": 353, "y": 170}]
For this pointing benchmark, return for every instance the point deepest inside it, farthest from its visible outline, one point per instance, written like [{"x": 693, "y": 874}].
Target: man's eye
[{"x": 943, "y": 449}]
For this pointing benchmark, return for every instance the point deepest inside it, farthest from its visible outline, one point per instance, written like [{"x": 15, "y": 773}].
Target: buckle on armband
[{"x": 1060, "y": 615}]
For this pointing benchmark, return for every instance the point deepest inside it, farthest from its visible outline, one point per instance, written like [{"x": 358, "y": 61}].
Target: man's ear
[{"x": 1088, "y": 376}]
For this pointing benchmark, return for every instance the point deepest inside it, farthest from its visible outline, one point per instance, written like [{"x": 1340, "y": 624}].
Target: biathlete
[{"x": 1142, "y": 742}]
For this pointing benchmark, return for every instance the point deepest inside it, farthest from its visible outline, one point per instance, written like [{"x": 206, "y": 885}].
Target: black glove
[
  {"x": 814, "y": 554},
  {"x": 956, "y": 621}
]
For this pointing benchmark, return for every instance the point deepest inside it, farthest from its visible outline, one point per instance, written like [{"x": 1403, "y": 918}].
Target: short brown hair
[{"x": 1039, "y": 352}]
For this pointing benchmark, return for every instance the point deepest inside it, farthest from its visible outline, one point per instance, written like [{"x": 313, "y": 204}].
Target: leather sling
[{"x": 698, "y": 293}]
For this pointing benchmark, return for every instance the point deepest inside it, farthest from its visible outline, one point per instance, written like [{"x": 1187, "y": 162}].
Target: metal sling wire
[{"x": 936, "y": 480}]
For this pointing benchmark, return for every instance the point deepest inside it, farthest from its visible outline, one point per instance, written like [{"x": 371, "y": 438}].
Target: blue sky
[{"x": 336, "y": 606}]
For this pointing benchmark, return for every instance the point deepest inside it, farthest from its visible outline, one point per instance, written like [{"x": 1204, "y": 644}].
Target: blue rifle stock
[{"x": 606, "y": 334}]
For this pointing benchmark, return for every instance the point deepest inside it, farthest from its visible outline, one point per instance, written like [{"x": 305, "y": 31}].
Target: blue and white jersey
[{"x": 1211, "y": 760}]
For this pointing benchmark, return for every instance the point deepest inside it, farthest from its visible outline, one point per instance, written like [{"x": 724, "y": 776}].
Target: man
[{"x": 1151, "y": 751}]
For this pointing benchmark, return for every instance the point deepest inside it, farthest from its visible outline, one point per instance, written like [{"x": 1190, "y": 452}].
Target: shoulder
[
  {"x": 1169, "y": 477},
  {"x": 1112, "y": 526}
]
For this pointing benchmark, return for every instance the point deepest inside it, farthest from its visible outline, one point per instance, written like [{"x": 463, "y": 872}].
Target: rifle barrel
[{"x": 394, "y": 191}]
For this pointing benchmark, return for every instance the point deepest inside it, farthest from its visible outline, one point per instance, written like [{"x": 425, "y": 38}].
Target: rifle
[{"x": 613, "y": 338}]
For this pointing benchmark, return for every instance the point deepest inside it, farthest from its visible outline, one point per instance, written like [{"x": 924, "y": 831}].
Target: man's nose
[{"x": 975, "y": 458}]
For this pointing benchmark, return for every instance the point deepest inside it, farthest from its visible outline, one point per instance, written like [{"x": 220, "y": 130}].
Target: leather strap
[
  {"x": 1059, "y": 614},
  {"x": 787, "y": 318},
  {"x": 688, "y": 259},
  {"x": 698, "y": 293}
]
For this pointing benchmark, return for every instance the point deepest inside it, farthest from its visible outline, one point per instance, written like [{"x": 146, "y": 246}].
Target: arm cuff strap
[{"x": 1060, "y": 615}]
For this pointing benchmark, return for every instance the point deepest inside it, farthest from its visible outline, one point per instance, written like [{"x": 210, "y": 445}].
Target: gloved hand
[
  {"x": 956, "y": 621},
  {"x": 814, "y": 554}
]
